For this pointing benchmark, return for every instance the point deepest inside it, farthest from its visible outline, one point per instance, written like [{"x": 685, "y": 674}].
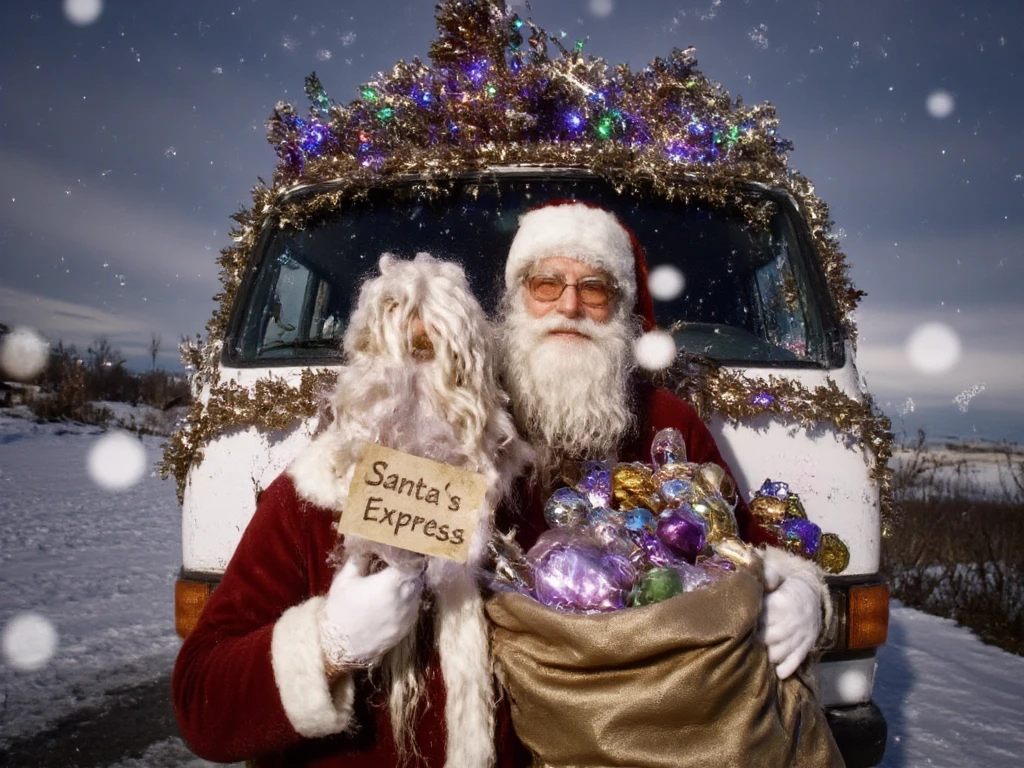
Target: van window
[{"x": 751, "y": 293}]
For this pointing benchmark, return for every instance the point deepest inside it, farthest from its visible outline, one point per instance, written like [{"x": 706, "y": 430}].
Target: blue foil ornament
[
  {"x": 779, "y": 489},
  {"x": 675, "y": 492},
  {"x": 638, "y": 519},
  {"x": 802, "y": 537}
]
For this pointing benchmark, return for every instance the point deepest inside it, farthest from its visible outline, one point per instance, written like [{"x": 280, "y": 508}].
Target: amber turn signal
[
  {"x": 189, "y": 600},
  {"x": 867, "y": 623}
]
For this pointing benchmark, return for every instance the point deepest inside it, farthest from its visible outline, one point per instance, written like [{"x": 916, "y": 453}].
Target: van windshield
[{"x": 736, "y": 292}]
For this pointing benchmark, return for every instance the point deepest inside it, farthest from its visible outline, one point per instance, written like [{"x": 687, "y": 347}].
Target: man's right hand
[{"x": 364, "y": 616}]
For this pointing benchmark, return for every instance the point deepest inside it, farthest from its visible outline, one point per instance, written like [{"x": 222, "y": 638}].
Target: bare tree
[{"x": 154, "y": 347}]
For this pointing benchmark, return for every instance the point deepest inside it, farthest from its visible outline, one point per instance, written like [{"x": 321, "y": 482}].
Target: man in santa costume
[{"x": 576, "y": 300}]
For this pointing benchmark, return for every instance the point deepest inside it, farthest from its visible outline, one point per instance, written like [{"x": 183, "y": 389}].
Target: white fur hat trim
[{"x": 591, "y": 235}]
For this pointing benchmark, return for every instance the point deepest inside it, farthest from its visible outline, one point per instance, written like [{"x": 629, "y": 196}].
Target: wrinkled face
[{"x": 570, "y": 304}]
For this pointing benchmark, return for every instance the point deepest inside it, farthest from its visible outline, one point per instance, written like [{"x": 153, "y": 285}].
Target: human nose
[{"x": 569, "y": 304}]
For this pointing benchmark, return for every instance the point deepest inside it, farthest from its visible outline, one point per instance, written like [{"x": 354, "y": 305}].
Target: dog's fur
[{"x": 449, "y": 409}]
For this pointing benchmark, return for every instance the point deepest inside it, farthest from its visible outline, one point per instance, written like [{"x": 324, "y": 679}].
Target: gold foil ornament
[
  {"x": 833, "y": 554},
  {"x": 633, "y": 486},
  {"x": 768, "y": 508},
  {"x": 794, "y": 507}
]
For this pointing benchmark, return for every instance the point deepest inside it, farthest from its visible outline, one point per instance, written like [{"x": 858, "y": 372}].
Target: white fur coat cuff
[{"x": 314, "y": 708}]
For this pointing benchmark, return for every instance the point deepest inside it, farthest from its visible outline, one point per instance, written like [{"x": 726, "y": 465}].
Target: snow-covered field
[{"x": 99, "y": 566}]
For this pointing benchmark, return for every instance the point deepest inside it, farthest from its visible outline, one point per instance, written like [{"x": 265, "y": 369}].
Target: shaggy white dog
[{"x": 420, "y": 377}]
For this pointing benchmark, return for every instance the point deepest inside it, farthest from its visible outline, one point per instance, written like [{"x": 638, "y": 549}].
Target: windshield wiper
[{"x": 303, "y": 344}]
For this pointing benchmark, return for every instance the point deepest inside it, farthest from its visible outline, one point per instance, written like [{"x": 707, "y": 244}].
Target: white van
[{"x": 754, "y": 307}]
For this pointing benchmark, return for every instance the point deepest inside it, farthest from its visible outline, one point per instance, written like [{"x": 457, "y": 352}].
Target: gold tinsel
[{"x": 493, "y": 96}]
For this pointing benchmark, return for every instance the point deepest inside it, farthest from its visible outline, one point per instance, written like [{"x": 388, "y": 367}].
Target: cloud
[
  {"x": 49, "y": 316},
  {"x": 992, "y": 355}
]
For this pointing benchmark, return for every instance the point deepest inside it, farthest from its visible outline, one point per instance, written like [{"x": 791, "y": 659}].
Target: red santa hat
[{"x": 588, "y": 233}]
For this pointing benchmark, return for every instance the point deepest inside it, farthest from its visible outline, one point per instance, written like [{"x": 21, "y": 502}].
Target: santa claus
[
  {"x": 321, "y": 649},
  {"x": 576, "y": 300}
]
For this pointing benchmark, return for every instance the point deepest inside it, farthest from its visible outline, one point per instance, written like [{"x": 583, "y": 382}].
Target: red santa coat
[{"x": 249, "y": 680}]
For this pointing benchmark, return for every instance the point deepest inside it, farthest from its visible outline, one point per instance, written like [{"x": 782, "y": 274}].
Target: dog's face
[{"x": 421, "y": 311}]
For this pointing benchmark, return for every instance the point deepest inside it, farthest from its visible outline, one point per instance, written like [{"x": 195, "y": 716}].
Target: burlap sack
[{"x": 680, "y": 683}]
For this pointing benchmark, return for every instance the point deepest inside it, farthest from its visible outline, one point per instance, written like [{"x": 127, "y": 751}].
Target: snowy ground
[{"x": 100, "y": 566}]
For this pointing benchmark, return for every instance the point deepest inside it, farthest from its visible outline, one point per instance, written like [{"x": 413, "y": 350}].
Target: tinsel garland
[{"x": 493, "y": 96}]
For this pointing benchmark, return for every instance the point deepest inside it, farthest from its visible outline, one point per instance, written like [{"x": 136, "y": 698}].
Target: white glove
[
  {"x": 791, "y": 609},
  {"x": 364, "y": 617}
]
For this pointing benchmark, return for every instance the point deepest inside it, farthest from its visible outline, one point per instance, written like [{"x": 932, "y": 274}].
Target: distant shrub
[{"x": 957, "y": 555}]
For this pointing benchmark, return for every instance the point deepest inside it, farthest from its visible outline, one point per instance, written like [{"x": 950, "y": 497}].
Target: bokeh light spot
[
  {"x": 655, "y": 350},
  {"x": 29, "y": 641},
  {"x": 83, "y": 12},
  {"x": 933, "y": 348},
  {"x": 116, "y": 461},
  {"x": 602, "y": 8},
  {"x": 940, "y": 104},
  {"x": 23, "y": 354},
  {"x": 666, "y": 282}
]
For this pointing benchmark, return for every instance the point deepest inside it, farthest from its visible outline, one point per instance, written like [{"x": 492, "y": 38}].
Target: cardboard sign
[{"x": 413, "y": 503}]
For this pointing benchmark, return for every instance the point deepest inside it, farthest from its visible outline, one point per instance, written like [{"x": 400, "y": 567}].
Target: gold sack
[{"x": 680, "y": 683}]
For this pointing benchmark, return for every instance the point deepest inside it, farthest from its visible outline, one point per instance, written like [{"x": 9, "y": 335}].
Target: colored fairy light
[
  {"x": 604, "y": 127},
  {"x": 386, "y": 114},
  {"x": 578, "y": 46},
  {"x": 314, "y": 138},
  {"x": 425, "y": 98},
  {"x": 763, "y": 399},
  {"x": 491, "y": 90},
  {"x": 369, "y": 94},
  {"x": 574, "y": 121},
  {"x": 517, "y": 23}
]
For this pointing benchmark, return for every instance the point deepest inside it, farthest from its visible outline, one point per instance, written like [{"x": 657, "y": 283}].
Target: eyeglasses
[{"x": 592, "y": 291}]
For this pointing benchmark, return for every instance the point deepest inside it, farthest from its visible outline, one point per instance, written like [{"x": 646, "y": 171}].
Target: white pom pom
[
  {"x": 666, "y": 282},
  {"x": 116, "y": 461},
  {"x": 655, "y": 350},
  {"x": 29, "y": 641},
  {"x": 23, "y": 354}
]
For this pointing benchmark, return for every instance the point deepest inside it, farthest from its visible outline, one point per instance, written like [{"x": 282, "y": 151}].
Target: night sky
[{"x": 126, "y": 142}]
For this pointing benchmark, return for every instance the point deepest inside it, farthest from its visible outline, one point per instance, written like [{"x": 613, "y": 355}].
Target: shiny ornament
[
  {"x": 654, "y": 549},
  {"x": 596, "y": 483},
  {"x": 794, "y": 507},
  {"x": 566, "y": 507},
  {"x": 577, "y": 578},
  {"x": 682, "y": 471},
  {"x": 719, "y": 519},
  {"x": 668, "y": 447},
  {"x": 656, "y": 585},
  {"x": 683, "y": 531},
  {"x": 736, "y": 551},
  {"x": 694, "y": 577},
  {"x": 767, "y": 509},
  {"x": 633, "y": 486},
  {"x": 638, "y": 519},
  {"x": 802, "y": 537},
  {"x": 675, "y": 492},
  {"x": 621, "y": 570},
  {"x": 833, "y": 555},
  {"x": 772, "y": 488}
]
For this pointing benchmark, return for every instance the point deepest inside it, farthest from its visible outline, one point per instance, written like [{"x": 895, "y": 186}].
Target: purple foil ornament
[
  {"x": 655, "y": 550},
  {"x": 779, "y": 490},
  {"x": 802, "y": 537},
  {"x": 578, "y": 578},
  {"x": 668, "y": 447},
  {"x": 566, "y": 507},
  {"x": 683, "y": 531},
  {"x": 596, "y": 483},
  {"x": 621, "y": 570},
  {"x": 693, "y": 576}
]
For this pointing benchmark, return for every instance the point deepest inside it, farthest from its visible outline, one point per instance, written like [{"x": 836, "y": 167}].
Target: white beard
[{"x": 570, "y": 397}]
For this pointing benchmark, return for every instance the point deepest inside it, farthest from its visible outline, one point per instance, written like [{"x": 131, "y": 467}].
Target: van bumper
[{"x": 860, "y": 732}]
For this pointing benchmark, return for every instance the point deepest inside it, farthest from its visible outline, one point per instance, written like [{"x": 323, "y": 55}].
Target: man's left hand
[{"x": 791, "y": 609}]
